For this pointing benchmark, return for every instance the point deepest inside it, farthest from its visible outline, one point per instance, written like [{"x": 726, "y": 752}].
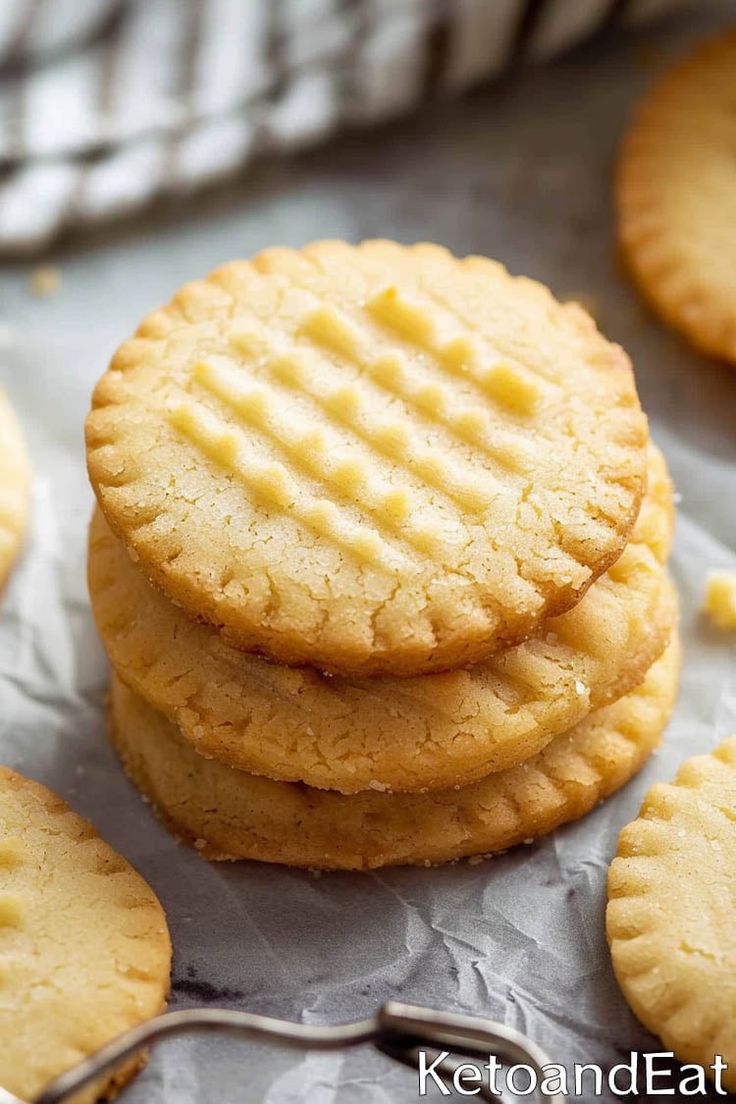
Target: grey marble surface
[{"x": 521, "y": 172}]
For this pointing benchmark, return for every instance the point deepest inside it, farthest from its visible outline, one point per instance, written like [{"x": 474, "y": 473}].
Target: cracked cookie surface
[
  {"x": 400, "y": 734},
  {"x": 84, "y": 946},
  {"x": 227, "y": 813},
  {"x": 14, "y": 488},
  {"x": 376, "y": 459},
  {"x": 670, "y": 916},
  {"x": 676, "y": 196}
]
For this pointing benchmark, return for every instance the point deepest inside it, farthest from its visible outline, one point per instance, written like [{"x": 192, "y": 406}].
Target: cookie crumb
[
  {"x": 375, "y": 785},
  {"x": 720, "y": 599},
  {"x": 45, "y": 281}
]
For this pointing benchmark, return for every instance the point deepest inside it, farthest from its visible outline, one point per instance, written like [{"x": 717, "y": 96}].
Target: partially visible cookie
[
  {"x": 14, "y": 487},
  {"x": 84, "y": 946},
  {"x": 672, "y": 903},
  {"x": 399, "y": 734},
  {"x": 676, "y": 194},
  {"x": 230, "y": 814},
  {"x": 373, "y": 459}
]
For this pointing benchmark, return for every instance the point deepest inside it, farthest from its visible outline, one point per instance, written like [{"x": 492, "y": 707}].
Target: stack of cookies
[{"x": 378, "y": 559}]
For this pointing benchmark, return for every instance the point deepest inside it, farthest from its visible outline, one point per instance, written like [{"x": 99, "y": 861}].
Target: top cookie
[
  {"x": 376, "y": 459},
  {"x": 84, "y": 947},
  {"x": 14, "y": 483}
]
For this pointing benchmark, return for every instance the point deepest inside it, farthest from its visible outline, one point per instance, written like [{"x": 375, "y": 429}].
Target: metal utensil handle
[
  {"x": 196, "y": 1020},
  {"x": 399, "y": 1030}
]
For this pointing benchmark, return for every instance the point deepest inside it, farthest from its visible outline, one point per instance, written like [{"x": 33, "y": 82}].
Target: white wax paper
[{"x": 522, "y": 173}]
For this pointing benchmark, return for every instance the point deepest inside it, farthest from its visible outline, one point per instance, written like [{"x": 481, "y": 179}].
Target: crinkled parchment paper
[{"x": 522, "y": 173}]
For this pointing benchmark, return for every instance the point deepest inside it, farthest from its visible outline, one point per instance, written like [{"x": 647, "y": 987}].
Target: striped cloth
[{"x": 108, "y": 104}]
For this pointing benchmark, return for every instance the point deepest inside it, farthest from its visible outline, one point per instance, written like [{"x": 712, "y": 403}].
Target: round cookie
[
  {"x": 84, "y": 947},
  {"x": 399, "y": 734},
  {"x": 376, "y": 459},
  {"x": 670, "y": 917},
  {"x": 230, "y": 814},
  {"x": 14, "y": 488},
  {"x": 676, "y": 195}
]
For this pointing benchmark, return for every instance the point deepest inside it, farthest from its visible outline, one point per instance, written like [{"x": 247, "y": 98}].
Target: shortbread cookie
[
  {"x": 401, "y": 734},
  {"x": 672, "y": 903},
  {"x": 372, "y": 459},
  {"x": 84, "y": 946},
  {"x": 228, "y": 813},
  {"x": 676, "y": 193},
  {"x": 14, "y": 486}
]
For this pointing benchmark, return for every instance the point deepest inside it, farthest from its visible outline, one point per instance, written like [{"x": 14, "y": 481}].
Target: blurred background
[{"x": 107, "y": 105}]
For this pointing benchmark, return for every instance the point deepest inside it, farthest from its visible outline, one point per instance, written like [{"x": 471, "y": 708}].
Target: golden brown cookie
[
  {"x": 401, "y": 734},
  {"x": 376, "y": 459},
  {"x": 84, "y": 946},
  {"x": 672, "y": 903},
  {"x": 676, "y": 194},
  {"x": 231, "y": 814},
  {"x": 14, "y": 488}
]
